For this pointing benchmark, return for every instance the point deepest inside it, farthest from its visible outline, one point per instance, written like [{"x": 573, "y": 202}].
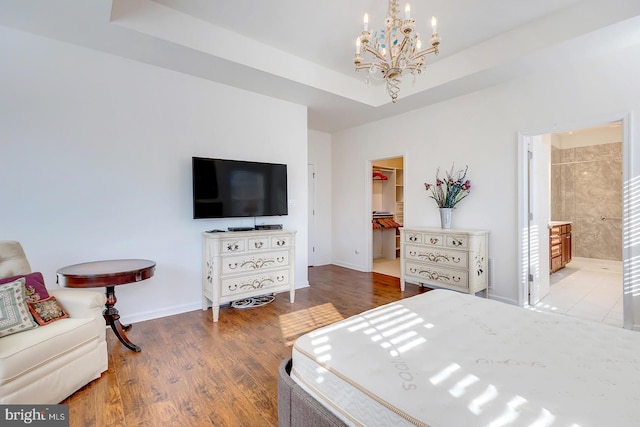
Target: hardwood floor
[{"x": 193, "y": 372}]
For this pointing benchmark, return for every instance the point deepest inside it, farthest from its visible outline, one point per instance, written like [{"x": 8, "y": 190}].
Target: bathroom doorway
[
  {"x": 387, "y": 214},
  {"x": 584, "y": 177},
  {"x": 586, "y": 195}
]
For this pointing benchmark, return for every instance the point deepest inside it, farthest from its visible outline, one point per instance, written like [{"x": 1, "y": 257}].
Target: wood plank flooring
[{"x": 193, "y": 372}]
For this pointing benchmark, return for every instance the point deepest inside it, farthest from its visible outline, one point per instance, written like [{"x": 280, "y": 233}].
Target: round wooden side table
[{"x": 108, "y": 274}]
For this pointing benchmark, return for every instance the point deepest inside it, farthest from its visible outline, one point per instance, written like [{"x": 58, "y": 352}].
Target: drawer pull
[
  {"x": 434, "y": 240},
  {"x": 280, "y": 278},
  {"x": 413, "y": 253},
  {"x": 233, "y": 266},
  {"x": 413, "y": 238},
  {"x": 280, "y": 259},
  {"x": 281, "y": 242},
  {"x": 258, "y": 245},
  {"x": 456, "y": 242},
  {"x": 233, "y": 246}
]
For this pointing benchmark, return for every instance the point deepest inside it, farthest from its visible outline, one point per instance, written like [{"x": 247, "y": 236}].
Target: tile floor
[{"x": 586, "y": 288}]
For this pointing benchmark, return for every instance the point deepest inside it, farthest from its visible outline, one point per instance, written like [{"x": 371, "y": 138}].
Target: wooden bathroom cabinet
[{"x": 559, "y": 245}]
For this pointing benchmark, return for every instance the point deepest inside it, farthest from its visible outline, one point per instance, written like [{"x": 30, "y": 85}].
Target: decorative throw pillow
[
  {"x": 14, "y": 313},
  {"x": 34, "y": 286},
  {"x": 47, "y": 310}
]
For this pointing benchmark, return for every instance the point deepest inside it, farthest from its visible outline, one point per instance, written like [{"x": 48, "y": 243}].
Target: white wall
[
  {"x": 480, "y": 130},
  {"x": 320, "y": 158},
  {"x": 95, "y": 154}
]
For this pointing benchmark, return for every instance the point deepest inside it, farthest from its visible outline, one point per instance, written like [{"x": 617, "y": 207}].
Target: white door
[
  {"x": 539, "y": 211},
  {"x": 311, "y": 212}
]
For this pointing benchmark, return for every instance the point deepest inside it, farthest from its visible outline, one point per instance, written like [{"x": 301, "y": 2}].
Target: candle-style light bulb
[
  {"x": 366, "y": 22},
  {"x": 407, "y": 11},
  {"x": 418, "y": 44},
  {"x": 358, "y": 45},
  {"x": 434, "y": 25}
]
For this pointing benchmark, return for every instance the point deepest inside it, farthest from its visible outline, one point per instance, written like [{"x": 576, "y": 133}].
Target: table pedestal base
[{"x": 112, "y": 318}]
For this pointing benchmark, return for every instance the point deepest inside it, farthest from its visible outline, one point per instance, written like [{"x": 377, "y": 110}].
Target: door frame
[
  {"x": 524, "y": 137},
  {"x": 538, "y": 190},
  {"x": 311, "y": 215},
  {"x": 368, "y": 191}
]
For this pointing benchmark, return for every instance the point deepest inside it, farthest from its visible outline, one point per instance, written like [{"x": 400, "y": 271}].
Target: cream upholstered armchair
[{"x": 45, "y": 363}]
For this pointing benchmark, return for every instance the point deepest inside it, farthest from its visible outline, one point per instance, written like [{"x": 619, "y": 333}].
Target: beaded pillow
[
  {"x": 47, "y": 310},
  {"x": 14, "y": 313}
]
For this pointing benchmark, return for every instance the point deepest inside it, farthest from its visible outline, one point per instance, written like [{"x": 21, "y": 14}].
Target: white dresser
[
  {"x": 446, "y": 258},
  {"x": 243, "y": 264}
]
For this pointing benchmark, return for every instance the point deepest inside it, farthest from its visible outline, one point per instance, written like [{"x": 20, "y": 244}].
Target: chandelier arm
[
  {"x": 368, "y": 65},
  {"x": 374, "y": 52},
  {"x": 422, "y": 53},
  {"x": 395, "y": 59}
]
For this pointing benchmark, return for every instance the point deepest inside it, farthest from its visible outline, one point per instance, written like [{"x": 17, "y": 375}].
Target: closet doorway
[{"x": 387, "y": 214}]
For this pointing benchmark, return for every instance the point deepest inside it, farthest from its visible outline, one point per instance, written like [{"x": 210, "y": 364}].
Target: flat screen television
[{"x": 235, "y": 188}]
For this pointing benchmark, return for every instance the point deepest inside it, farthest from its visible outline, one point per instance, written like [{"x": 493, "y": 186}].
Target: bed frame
[{"x": 296, "y": 407}]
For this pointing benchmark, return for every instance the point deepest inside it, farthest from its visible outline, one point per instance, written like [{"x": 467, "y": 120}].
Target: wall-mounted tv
[{"x": 235, "y": 188}]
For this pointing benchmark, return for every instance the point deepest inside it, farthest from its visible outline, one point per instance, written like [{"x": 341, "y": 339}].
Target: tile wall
[{"x": 586, "y": 189}]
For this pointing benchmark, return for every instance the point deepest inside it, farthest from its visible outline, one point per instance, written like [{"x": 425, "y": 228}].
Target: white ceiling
[
  {"x": 302, "y": 51},
  {"x": 324, "y": 32}
]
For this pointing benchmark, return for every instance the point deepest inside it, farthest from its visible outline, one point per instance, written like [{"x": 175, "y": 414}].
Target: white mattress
[{"x": 449, "y": 359}]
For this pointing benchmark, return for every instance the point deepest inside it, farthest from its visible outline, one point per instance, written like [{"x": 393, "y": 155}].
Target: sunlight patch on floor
[{"x": 292, "y": 325}]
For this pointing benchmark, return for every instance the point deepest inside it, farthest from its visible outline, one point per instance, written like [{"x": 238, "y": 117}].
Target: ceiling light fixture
[{"x": 395, "y": 49}]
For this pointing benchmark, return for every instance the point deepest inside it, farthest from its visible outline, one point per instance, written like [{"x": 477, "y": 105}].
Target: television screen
[{"x": 233, "y": 188}]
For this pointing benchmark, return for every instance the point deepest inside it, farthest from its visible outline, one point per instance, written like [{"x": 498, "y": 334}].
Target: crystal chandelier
[{"x": 395, "y": 50}]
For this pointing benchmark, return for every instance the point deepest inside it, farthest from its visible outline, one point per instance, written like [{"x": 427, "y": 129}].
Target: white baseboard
[
  {"x": 348, "y": 265},
  {"x": 156, "y": 314}
]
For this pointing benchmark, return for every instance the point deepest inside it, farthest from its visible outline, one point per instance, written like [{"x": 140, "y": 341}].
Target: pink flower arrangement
[{"x": 451, "y": 191}]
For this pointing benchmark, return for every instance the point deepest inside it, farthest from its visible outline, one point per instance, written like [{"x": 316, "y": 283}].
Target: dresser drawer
[
  {"x": 281, "y": 242},
  {"x": 411, "y": 237},
  {"x": 261, "y": 281},
  {"x": 457, "y": 242},
  {"x": 258, "y": 243},
  {"x": 245, "y": 263},
  {"x": 429, "y": 273},
  {"x": 433, "y": 239},
  {"x": 234, "y": 245},
  {"x": 438, "y": 256}
]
